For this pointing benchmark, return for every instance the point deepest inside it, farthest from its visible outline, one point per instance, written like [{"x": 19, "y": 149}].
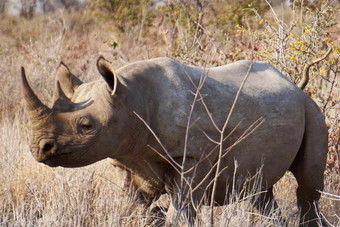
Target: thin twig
[
  {"x": 330, "y": 196},
  {"x": 158, "y": 140}
]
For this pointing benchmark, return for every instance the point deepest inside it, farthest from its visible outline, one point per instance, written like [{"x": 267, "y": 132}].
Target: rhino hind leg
[
  {"x": 309, "y": 165},
  {"x": 307, "y": 201},
  {"x": 266, "y": 204}
]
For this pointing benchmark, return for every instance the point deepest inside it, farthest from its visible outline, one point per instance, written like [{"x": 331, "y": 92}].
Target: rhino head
[{"x": 87, "y": 122}]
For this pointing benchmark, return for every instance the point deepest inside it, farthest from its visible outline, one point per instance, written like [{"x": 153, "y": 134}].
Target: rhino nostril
[{"x": 47, "y": 146}]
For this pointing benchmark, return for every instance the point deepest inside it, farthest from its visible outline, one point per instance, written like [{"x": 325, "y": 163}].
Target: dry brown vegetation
[{"x": 32, "y": 194}]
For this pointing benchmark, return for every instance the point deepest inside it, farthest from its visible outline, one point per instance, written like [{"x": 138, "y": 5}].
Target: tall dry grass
[{"x": 32, "y": 194}]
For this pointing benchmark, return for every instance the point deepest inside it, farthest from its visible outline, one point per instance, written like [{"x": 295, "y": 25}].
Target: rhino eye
[{"x": 86, "y": 126}]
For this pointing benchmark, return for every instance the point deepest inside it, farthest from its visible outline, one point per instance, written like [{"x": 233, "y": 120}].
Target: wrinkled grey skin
[{"x": 92, "y": 121}]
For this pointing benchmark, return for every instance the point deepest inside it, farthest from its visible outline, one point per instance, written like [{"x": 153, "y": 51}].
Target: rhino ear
[
  {"x": 107, "y": 72},
  {"x": 66, "y": 82}
]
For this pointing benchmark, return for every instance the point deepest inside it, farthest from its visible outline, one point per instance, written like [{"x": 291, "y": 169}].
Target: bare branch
[
  {"x": 221, "y": 145},
  {"x": 185, "y": 152}
]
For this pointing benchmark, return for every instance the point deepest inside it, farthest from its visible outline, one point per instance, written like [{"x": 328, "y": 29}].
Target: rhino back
[{"x": 265, "y": 93}]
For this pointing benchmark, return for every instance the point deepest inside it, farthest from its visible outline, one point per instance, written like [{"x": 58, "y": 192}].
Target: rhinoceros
[{"x": 159, "y": 118}]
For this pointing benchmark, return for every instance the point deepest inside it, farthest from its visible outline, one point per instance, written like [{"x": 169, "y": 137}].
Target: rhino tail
[{"x": 305, "y": 73}]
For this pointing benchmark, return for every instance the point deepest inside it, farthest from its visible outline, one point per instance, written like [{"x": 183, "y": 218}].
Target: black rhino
[{"x": 112, "y": 118}]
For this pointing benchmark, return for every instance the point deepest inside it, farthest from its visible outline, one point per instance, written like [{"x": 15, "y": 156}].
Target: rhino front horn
[{"x": 33, "y": 104}]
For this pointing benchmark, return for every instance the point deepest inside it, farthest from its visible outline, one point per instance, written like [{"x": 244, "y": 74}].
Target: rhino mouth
[
  {"x": 50, "y": 163},
  {"x": 54, "y": 160},
  {"x": 66, "y": 160}
]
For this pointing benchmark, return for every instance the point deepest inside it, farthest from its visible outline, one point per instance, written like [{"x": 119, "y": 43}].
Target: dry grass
[{"x": 32, "y": 194}]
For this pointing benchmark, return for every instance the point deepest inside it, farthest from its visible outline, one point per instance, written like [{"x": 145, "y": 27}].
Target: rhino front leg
[
  {"x": 155, "y": 216},
  {"x": 189, "y": 194},
  {"x": 181, "y": 209},
  {"x": 180, "y": 212}
]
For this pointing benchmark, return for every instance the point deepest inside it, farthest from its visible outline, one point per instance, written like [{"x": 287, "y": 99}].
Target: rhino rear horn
[
  {"x": 61, "y": 101},
  {"x": 65, "y": 83},
  {"x": 107, "y": 72},
  {"x": 33, "y": 104}
]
